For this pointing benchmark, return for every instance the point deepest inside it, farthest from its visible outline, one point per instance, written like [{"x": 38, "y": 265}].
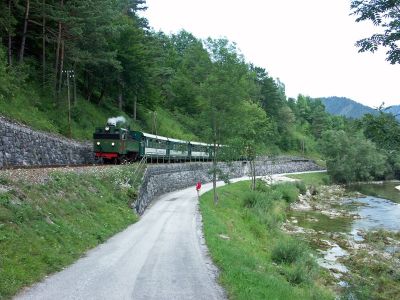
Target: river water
[{"x": 379, "y": 210}]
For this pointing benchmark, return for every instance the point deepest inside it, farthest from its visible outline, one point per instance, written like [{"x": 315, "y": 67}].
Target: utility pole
[
  {"x": 75, "y": 100},
  {"x": 155, "y": 121},
  {"x": 70, "y": 74}
]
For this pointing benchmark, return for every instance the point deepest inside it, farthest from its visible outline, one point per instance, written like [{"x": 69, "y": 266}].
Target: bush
[
  {"x": 288, "y": 251},
  {"x": 266, "y": 206},
  {"x": 261, "y": 186},
  {"x": 302, "y": 271},
  {"x": 289, "y": 191},
  {"x": 255, "y": 199},
  {"x": 352, "y": 157},
  {"x": 301, "y": 187}
]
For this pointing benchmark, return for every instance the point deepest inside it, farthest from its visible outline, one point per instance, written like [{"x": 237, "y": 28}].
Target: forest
[{"x": 68, "y": 65}]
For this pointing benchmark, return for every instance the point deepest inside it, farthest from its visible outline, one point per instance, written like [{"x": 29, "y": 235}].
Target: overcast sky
[{"x": 307, "y": 44}]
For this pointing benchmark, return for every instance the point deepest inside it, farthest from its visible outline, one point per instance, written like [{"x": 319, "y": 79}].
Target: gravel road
[{"x": 162, "y": 256}]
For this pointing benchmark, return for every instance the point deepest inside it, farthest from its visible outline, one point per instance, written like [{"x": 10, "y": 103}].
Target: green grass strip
[
  {"x": 44, "y": 228},
  {"x": 257, "y": 260}
]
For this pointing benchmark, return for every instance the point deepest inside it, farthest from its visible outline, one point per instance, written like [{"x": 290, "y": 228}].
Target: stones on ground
[{"x": 224, "y": 237}]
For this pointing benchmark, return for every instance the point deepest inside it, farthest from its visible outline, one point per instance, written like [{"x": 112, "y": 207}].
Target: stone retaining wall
[
  {"x": 164, "y": 178},
  {"x": 23, "y": 146}
]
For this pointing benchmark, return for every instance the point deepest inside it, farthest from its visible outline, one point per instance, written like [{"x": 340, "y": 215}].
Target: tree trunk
[
  {"x": 21, "y": 52},
  {"x": 134, "y": 107},
  {"x": 119, "y": 92},
  {"x": 58, "y": 51},
  {"x": 44, "y": 43},
  {"x": 215, "y": 161},
  {"x": 253, "y": 174},
  {"x": 102, "y": 92},
  {"x": 9, "y": 35},
  {"x": 61, "y": 67},
  {"x": 120, "y": 100}
]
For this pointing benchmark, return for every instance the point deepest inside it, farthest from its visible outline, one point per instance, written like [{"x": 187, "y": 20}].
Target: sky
[{"x": 307, "y": 44}]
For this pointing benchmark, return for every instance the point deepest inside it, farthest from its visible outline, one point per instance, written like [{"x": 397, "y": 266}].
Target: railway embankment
[
  {"x": 51, "y": 217},
  {"x": 163, "y": 178},
  {"x": 23, "y": 146}
]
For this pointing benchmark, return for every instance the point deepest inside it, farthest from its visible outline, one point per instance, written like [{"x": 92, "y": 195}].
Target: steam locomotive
[{"x": 115, "y": 144}]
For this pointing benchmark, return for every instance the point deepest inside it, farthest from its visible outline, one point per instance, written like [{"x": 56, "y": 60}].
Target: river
[{"x": 356, "y": 235}]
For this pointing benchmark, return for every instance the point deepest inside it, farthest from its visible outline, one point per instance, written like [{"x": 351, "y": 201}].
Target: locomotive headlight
[
  {"x": 113, "y": 144},
  {"x": 107, "y": 128},
  {"x": 98, "y": 143}
]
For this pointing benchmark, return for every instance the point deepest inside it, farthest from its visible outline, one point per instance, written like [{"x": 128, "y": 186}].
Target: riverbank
[
  {"x": 45, "y": 225},
  {"x": 256, "y": 259},
  {"x": 360, "y": 252}
]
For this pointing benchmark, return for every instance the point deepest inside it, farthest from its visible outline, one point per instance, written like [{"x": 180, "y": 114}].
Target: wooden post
[
  {"x": 75, "y": 99},
  {"x": 69, "y": 106}
]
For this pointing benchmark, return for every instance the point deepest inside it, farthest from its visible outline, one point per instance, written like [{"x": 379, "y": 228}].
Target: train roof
[
  {"x": 157, "y": 137},
  {"x": 177, "y": 141},
  {"x": 200, "y": 144}
]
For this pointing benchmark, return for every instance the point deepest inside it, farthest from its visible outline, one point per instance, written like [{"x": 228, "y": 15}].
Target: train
[{"x": 116, "y": 144}]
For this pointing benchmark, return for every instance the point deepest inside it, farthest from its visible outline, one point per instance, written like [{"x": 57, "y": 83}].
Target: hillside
[{"x": 395, "y": 110}]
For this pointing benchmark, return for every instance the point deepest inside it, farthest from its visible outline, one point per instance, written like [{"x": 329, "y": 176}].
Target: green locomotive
[{"x": 113, "y": 143}]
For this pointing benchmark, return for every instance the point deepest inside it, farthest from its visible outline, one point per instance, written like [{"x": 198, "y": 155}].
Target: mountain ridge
[{"x": 343, "y": 106}]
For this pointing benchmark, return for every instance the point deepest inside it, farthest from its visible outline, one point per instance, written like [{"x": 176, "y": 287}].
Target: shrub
[
  {"x": 301, "y": 187},
  {"x": 289, "y": 191},
  {"x": 287, "y": 251},
  {"x": 302, "y": 271},
  {"x": 258, "y": 200},
  {"x": 326, "y": 180},
  {"x": 261, "y": 186},
  {"x": 352, "y": 157}
]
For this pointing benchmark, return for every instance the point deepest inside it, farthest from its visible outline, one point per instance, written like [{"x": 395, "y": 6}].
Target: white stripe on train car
[
  {"x": 201, "y": 154},
  {"x": 155, "y": 151},
  {"x": 180, "y": 153}
]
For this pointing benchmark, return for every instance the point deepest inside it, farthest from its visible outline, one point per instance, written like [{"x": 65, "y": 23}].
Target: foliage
[
  {"x": 351, "y": 157},
  {"x": 383, "y": 13},
  {"x": 287, "y": 251},
  {"x": 289, "y": 191}
]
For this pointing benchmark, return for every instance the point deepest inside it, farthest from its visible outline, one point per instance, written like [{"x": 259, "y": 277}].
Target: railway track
[{"x": 47, "y": 167}]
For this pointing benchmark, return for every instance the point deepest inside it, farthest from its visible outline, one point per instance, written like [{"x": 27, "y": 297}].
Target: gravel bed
[{"x": 42, "y": 175}]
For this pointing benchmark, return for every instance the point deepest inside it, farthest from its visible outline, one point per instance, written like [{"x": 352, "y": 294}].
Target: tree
[
  {"x": 253, "y": 135},
  {"x": 383, "y": 129},
  {"x": 351, "y": 157},
  {"x": 383, "y": 13},
  {"x": 220, "y": 95}
]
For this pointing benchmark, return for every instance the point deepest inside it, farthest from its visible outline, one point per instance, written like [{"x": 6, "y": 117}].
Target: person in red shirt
[{"x": 198, "y": 187}]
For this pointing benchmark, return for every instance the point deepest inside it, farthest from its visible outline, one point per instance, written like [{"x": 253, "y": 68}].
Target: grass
[
  {"x": 39, "y": 110},
  {"x": 167, "y": 125},
  {"x": 258, "y": 261},
  {"x": 46, "y": 227},
  {"x": 313, "y": 179}
]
